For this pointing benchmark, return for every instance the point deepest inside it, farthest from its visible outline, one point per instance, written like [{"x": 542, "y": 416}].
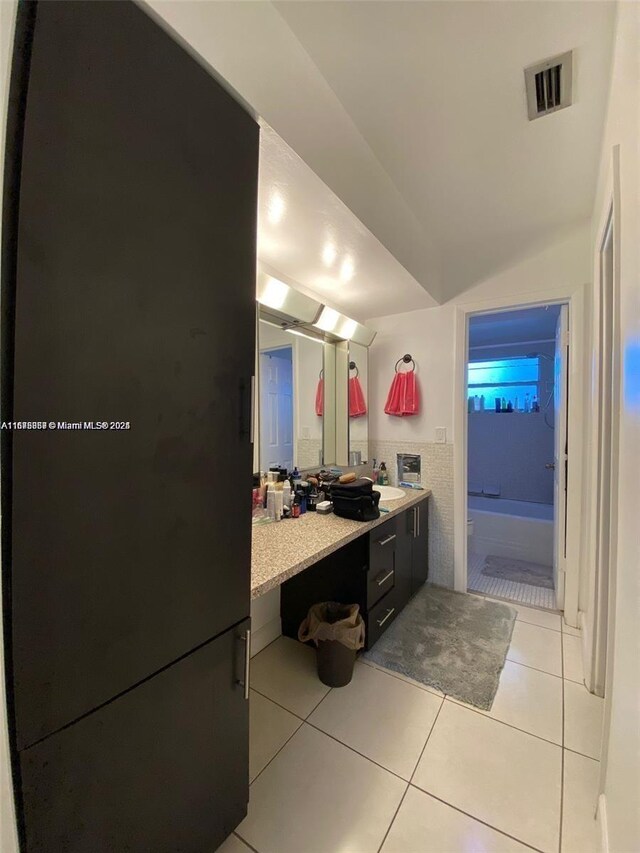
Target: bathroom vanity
[{"x": 378, "y": 564}]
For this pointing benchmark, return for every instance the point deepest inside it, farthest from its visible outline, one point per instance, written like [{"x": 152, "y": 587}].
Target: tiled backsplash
[{"x": 437, "y": 475}]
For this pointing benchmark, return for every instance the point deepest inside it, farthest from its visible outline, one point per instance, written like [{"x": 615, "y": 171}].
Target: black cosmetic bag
[{"x": 356, "y": 500}]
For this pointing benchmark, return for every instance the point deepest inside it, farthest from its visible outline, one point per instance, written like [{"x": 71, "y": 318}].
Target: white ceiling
[
  {"x": 306, "y": 235},
  {"x": 414, "y": 115},
  {"x": 519, "y": 326},
  {"x": 437, "y": 90}
]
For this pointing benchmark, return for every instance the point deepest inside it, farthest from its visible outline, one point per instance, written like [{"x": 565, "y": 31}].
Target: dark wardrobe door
[
  {"x": 162, "y": 769},
  {"x": 134, "y": 307}
]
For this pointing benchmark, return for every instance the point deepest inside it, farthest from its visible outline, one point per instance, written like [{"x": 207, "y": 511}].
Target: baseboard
[
  {"x": 265, "y": 635},
  {"x": 601, "y": 819}
]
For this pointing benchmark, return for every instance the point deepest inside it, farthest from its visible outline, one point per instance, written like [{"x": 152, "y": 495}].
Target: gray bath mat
[
  {"x": 454, "y": 642},
  {"x": 519, "y": 571}
]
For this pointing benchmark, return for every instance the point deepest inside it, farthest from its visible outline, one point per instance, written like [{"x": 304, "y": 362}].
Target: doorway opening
[
  {"x": 517, "y": 454},
  {"x": 276, "y": 407}
]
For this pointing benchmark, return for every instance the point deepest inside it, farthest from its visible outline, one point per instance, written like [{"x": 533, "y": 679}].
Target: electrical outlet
[{"x": 441, "y": 435}]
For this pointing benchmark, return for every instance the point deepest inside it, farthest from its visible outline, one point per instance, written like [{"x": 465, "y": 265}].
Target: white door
[
  {"x": 560, "y": 455},
  {"x": 276, "y": 408}
]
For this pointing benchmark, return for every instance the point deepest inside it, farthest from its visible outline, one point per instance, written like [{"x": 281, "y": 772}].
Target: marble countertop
[{"x": 283, "y": 549}]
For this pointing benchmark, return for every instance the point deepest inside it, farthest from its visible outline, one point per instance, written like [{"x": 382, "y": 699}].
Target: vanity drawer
[
  {"x": 382, "y": 547},
  {"x": 380, "y": 582},
  {"x": 380, "y": 617}
]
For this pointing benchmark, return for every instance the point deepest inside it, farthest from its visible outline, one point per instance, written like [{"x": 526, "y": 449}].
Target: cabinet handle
[
  {"x": 418, "y": 515},
  {"x": 389, "y": 612},
  {"x": 252, "y": 414},
  {"x": 387, "y": 539},
  {"x": 385, "y": 578},
  {"x": 246, "y": 639},
  {"x": 415, "y": 522}
]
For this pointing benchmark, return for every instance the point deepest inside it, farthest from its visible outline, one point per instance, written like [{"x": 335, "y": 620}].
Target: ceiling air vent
[{"x": 548, "y": 85}]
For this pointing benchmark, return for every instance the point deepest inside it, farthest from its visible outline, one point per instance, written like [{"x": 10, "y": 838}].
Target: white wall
[
  {"x": 429, "y": 334},
  {"x": 621, "y": 777},
  {"x": 8, "y": 835}
]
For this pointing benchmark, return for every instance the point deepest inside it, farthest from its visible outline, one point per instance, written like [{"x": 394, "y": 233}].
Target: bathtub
[{"x": 506, "y": 528}]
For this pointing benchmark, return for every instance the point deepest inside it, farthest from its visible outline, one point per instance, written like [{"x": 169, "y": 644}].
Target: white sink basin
[{"x": 389, "y": 493}]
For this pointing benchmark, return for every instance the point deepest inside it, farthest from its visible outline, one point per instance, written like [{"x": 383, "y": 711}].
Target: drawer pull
[
  {"x": 382, "y": 621},
  {"x": 387, "y": 539},
  {"x": 385, "y": 578}
]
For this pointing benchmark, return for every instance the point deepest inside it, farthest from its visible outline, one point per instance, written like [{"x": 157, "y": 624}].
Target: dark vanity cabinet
[
  {"x": 129, "y": 328},
  {"x": 380, "y": 571},
  {"x": 417, "y": 535}
]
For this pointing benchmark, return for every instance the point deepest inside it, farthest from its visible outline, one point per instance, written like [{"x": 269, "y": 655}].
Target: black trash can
[
  {"x": 335, "y": 663},
  {"x": 338, "y": 632}
]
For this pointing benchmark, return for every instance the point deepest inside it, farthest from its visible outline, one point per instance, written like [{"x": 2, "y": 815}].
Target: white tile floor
[
  {"x": 524, "y": 593},
  {"x": 388, "y": 765}
]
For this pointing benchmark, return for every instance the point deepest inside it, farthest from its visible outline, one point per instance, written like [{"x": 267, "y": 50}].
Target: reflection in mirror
[
  {"x": 329, "y": 419},
  {"x": 291, "y": 398},
  {"x": 342, "y": 403},
  {"x": 358, "y": 404}
]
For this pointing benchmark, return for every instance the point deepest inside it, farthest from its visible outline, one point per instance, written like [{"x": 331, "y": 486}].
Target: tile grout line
[
  {"x": 395, "y": 815},
  {"x": 316, "y": 728},
  {"x": 427, "y": 740},
  {"x": 562, "y": 757},
  {"x": 235, "y": 832},
  {"x": 473, "y": 817},
  {"x": 424, "y": 687},
  {"x": 276, "y": 754},
  {"x": 546, "y": 672},
  {"x": 461, "y": 704},
  {"x": 435, "y": 720},
  {"x": 353, "y": 749}
]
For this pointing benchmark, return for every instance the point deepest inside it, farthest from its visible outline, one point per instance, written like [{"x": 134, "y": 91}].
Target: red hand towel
[
  {"x": 320, "y": 397},
  {"x": 357, "y": 404},
  {"x": 393, "y": 404},
  {"x": 410, "y": 402},
  {"x": 403, "y": 396}
]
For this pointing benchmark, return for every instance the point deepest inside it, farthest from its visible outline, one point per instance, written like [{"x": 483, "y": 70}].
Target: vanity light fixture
[
  {"x": 344, "y": 327},
  {"x": 288, "y": 302},
  {"x": 308, "y": 335},
  {"x": 328, "y": 320}
]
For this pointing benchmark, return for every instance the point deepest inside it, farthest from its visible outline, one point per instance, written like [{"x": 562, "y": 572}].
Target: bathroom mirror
[
  {"x": 358, "y": 397},
  {"x": 291, "y": 398},
  {"x": 311, "y": 393}
]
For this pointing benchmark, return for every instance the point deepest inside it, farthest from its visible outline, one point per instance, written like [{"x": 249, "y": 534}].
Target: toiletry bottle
[
  {"x": 286, "y": 494},
  {"x": 535, "y": 405},
  {"x": 482, "y": 401},
  {"x": 296, "y": 477},
  {"x": 503, "y": 405},
  {"x": 497, "y": 404},
  {"x": 383, "y": 477},
  {"x": 470, "y": 404},
  {"x": 509, "y": 406},
  {"x": 527, "y": 403},
  {"x": 279, "y": 505},
  {"x": 271, "y": 500},
  {"x": 515, "y": 405}
]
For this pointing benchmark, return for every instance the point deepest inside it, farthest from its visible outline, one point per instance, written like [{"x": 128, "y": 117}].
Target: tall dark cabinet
[{"x": 131, "y": 303}]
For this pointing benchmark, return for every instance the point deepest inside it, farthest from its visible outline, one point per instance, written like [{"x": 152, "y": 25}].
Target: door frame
[
  {"x": 599, "y": 624},
  {"x": 294, "y": 389},
  {"x": 575, "y": 302}
]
